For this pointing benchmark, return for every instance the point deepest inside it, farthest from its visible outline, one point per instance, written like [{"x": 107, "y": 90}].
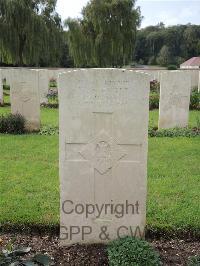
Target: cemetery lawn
[
  {"x": 49, "y": 116},
  {"x": 29, "y": 182}
]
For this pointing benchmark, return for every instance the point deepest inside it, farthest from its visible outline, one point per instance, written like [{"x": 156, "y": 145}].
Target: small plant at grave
[
  {"x": 131, "y": 251},
  {"x": 6, "y": 87},
  {"x": 154, "y": 101},
  {"x": 174, "y": 132},
  {"x": 53, "y": 83},
  {"x": 155, "y": 86},
  {"x": 12, "y": 124},
  {"x": 52, "y": 96},
  {"x": 12, "y": 256},
  {"x": 194, "y": 261},
  {"x": 49, "y": 131},
  {"x": 195, "y": 99}
]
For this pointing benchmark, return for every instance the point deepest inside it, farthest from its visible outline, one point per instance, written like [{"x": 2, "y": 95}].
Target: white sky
[{"x": 170, "y": 12}]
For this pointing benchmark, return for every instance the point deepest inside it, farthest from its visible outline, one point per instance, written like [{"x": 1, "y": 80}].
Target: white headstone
[
  {"x": 174, "y": 99},
  {"x": 53, "y": 74},
  {"x": 25, "y": 97},
  {"x": 43, "y": 85},
  {"x": 6, "y": 74},
  {"x": 1, "y": 88},
  {"x": 103, "y": 154},
  {"x": 194, "y": 77}
]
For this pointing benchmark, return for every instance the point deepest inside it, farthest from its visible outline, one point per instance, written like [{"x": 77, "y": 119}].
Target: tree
[
  {"x": 106, "y": 34},
  {"x": 192, "y": 36},
  {"x": 164, "y": 57},
  {"x": 30, "y": 31},
  {"x": 182, "y": 43}
]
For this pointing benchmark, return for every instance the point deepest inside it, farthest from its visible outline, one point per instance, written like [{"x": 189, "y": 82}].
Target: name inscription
[{"x": 112, "y": 92}]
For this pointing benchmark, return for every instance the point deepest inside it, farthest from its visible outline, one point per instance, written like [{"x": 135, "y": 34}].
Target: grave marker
[
  {"x": 103, "y": 153},
  {"x": 25, "y": 97},
  {"x": 174, "y": 99}
]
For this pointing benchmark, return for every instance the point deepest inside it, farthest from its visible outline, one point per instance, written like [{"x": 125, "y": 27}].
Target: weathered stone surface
[
  {"x": 53, "y": 74},
  {"x": 174, "y": 99},
  {"x": 25, "y": 98},
  {"x": 103, "y": 152},
  {"x": 6, "y": 74},
  {"x": 43, "y": 85}
]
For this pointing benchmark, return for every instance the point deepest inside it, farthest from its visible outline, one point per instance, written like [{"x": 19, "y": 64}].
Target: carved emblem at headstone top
[{"x": 102, "y": 153}]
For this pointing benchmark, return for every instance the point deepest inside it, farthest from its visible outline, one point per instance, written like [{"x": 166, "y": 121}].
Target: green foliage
[
  {"x": 49, "y": 130},
  {"x": 172, "y": 67},
  {"x": 106, "y": 35},
  {"x": 12, "y": 124},
  {"x": 170, "y": 45},
  {"x": 53, "y": 83},
  {"x": 155, "y": 97},
  {"x": 174, "y": 132},
  {"x": 154, "y": 101},
  {"x": 12, "y": 256},
  {"x": 31, "y": 33},
  {"x": 155, "y": 86},
  {"x": 6, "y": 87},
  {"x": 195, "y": 100},
  {"x": 130, "y": 251},
  {"x": 194, "y": 261},
  {"x": 164, "y": 56},
  {"x": 152, "y": 61},
  {"x": 52, "y": 97}
]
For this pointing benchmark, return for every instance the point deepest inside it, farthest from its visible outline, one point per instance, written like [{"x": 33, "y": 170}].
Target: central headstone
[
  {"x": 103, "y": 154},
  {"x": 25, "y": 98}
]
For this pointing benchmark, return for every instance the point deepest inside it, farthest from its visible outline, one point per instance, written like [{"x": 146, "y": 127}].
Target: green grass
[
  {"x": 29, "y": 183},
  {"x": 50, "y": 116},
  {"x": 173, "y": 183},
  {"x": 193, "y": 115}
]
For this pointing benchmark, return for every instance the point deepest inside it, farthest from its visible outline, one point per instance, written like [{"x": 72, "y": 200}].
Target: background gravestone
[
  {"x": 25, "y": 97},
  {"x": 43, "y": 85},
  {"x": 175, "y": 89},
  {"x": 6, "y": 74},
  {"x": 103, "y": 150},
  {"x": 1, "y": 88}
]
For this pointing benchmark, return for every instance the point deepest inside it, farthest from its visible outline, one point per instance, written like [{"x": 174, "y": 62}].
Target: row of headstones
[
  {"x": 29, "y": 88},
  {"x": 103, "y": 145},
  {"x": 44, "y": 78},
  {"x": 193, "y": 73}
]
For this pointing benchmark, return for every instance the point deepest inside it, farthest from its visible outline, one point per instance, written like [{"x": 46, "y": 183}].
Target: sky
[{"x": 171, "y": 12}]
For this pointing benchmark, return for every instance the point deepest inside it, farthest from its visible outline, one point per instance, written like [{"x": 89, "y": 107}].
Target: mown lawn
[
  {"x": 193, "y": 118},
  {"x": 50, "y": 116},
  {"x": 29, "y": 182}
]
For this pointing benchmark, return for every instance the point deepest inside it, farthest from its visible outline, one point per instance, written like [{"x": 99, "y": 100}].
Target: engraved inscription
[
  {"x": 113, "y": 92},
  {"x": 177, "y": 100},
  {"x": 23, "y": 92}
]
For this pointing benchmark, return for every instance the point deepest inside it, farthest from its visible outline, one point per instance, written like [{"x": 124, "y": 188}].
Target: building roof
[{"x": 194, "y": 61}]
